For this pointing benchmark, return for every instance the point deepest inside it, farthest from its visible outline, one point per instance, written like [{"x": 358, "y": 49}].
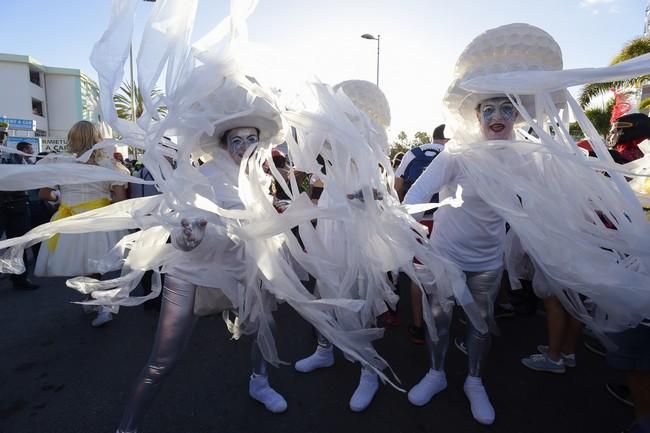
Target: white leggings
[{"x": 175, "y": 327}]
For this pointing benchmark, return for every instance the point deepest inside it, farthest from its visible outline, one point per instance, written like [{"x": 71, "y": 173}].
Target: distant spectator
[{"x": 15, "y": 215}]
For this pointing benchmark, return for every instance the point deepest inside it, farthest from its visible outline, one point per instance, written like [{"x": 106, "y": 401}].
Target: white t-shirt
[
  {"x": 409, "y": 156},
  {"x": 472, "y": 235}
]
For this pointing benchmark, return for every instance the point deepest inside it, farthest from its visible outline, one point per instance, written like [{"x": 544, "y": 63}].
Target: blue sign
[{"x": 19, "y": 124}]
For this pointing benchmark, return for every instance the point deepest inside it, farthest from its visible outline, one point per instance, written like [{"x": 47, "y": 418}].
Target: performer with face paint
[
  {"x": 177, "y": 318},
  {"x": 472, "y": 237},
  {"x": 543, "y": 186},
  {"x": 371, "y": 104}
]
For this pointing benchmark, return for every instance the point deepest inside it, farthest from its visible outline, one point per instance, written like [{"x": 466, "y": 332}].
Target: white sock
[
  {"x": 260, "y": 390},
  {"x": 365, "y": 392},
  {"x": 431, "y": 384},
  {"x": 323, "y": 357},
  {"x": 482, "y": 409}
]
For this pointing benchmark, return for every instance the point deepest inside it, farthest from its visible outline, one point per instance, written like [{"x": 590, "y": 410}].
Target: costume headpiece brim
[{"x": 513, "y": 47}]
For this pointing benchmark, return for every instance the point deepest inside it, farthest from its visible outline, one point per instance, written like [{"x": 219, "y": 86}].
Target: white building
[{"x": 53, "y": 98}]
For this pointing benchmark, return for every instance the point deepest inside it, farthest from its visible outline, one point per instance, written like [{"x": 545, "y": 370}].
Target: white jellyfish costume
[
  {"x": 545, "y": 188},
  {"x": 353, "y": 178}
]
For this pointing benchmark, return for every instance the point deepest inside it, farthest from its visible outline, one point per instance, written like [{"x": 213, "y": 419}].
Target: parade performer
[
  {"x": 338, "y": 244},
  {"x": 544, "y": 187}
]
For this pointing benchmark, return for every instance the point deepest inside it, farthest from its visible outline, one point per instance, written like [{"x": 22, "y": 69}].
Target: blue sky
[{"x": 420, "y": 40}]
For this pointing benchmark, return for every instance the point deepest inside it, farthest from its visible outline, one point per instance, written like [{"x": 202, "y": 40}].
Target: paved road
[{"x": 59, "y": 375}]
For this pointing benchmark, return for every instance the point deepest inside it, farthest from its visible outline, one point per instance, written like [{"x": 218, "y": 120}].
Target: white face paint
[
  {"x": 497, "y": 117},
  {"x": 239, "y": 140}
]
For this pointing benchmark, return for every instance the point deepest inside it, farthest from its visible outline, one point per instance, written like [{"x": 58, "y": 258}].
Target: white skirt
[{"x": 75, "y": 253}]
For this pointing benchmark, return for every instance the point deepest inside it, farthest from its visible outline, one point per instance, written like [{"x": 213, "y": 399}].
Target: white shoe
[
  {"x": 365, "y": 392},
  {"x": 260, "y": 390},
  {"x": 323, "y": 357},
  {"x": 103, "y": 317},
  {"x": 482, "y": 409},
  {"x": 431, "y": 384}
]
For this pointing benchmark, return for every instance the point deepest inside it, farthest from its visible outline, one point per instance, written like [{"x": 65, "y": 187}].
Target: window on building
[
  {"x": 40, "y": 133},
  {"x": 37, "y": 107},
  {"x": 35, "y": 77}
]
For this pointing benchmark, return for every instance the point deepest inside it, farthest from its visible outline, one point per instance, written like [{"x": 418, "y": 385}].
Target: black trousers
[{"x": 15, "y": 220}]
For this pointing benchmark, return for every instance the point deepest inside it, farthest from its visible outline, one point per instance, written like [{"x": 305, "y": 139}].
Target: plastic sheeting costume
[
  {"x": 545, "y": 188},
  {"x": 341, "y": 241}
]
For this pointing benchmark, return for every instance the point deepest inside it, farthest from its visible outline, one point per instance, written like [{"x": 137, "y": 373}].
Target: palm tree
[
  {"x": 122, "y": 101},
  {"x": 422, "y": 137},
  {"x": 632, "y": 49},
  {"x": 599, "y": 117}
]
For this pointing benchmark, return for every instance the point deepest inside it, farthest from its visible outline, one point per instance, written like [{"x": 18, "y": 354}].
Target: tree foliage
[
  {"x": 402, "y": 137},
  {"x": 422, "y": 137},
  {"x": 123, "y": 105},
  {"x": 599, "y": 117},
  {"x": 632, "y": 49},
  {"x": 645, "y": 104},
  {"x": 397, "y": 148}
]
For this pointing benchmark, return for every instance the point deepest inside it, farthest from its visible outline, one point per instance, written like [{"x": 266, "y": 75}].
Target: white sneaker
[
  {"x": 431, "y": 384},
  {"x": 365, "y": 392},
  {"x": 103, "y": 317},
  {"x": 323, "y": 357},
  {"x": 482, "y": 409},
  {"x": 260, "y": 390}
]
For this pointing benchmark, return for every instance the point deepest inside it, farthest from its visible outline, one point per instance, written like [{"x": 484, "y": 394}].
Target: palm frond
[
  {"x": 635, "y": 48},
  {"x": 592, "y": 91},
  {"x": 124, "y": 105},
  {"x": 645, "y": 104}
]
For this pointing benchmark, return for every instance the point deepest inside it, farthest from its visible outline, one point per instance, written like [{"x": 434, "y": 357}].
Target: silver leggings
[
  {"x": 484, "y": 287},
  {"x": 175, "y": 327}
]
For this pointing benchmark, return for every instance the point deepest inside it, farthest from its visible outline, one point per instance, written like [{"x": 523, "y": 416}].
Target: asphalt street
[{"x": 60, "y": 375}]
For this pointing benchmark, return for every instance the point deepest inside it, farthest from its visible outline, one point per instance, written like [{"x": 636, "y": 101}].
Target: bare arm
[
  {"x": 399, "y": 187},
  {"x": 119, "y": 193},
  {"x": 47, "y": 194}
]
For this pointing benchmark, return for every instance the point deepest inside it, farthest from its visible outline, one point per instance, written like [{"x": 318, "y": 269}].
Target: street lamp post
[{"x": 371, "y": 37}]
